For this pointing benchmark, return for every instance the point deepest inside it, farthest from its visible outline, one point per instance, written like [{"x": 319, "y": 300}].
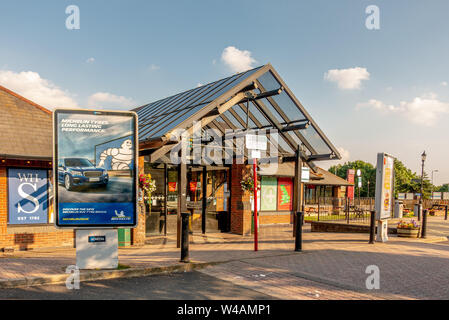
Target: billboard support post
[
  {"x": 384, "y": 194},
  {"x": 96, "y": 248}
]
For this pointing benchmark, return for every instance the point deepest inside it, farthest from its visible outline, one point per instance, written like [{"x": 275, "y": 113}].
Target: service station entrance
[
  {"x": 207, "y": 199},
  {"x": 193, "y": 145}
]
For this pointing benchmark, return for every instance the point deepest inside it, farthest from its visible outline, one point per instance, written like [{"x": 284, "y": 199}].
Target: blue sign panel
[
  {"x": 97, "y": 239},
  {"x": 27, "y": 196}
]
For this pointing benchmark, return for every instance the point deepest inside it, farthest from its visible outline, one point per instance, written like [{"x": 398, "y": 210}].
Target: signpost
[
  {"x": 95, "y": 174},
  {"x": 255, "y": 143},
  {"x": 384, "y": 193}
]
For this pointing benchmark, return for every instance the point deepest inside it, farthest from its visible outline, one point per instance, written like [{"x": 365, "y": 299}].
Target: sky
[{"x": 369, "y": 90}]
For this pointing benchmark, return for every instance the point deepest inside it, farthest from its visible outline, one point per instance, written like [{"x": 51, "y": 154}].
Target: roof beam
[
  {"x": 204, "y": 121},
  {"x": 303, "y": 110}
]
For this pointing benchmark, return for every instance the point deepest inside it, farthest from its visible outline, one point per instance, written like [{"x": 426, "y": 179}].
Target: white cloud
[
  {"x": 106, "y": 100},
  {"x": 345, "y": 155},
  {"x": 424, "y": 110},
  {"x": 347, "y": 79},
  {"x": 237, "y": 60},
  {"x": 444, "y": 84},
  {"x": 30, "y": 85},
  {"x": 154, "y": 67},
  {"x": 90, "y": 60}
]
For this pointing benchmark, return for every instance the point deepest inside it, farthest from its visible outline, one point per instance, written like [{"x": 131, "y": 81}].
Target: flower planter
[{"x": 408, "y": 233}]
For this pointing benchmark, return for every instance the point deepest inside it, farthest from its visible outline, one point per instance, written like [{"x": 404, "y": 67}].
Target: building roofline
[{"x": 25, "y": 99}]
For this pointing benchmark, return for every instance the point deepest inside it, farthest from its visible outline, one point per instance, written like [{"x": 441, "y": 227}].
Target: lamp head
[{"x": 423, "y": 156}]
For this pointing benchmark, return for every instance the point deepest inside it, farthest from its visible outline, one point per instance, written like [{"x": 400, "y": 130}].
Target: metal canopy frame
[{"x": 221, "y": 104}]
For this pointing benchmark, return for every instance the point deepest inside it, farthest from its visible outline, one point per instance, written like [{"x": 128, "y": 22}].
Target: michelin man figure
[{"x": 120, "y": 157}]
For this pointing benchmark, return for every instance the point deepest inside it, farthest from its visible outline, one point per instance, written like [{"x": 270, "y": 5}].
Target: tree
[
  {"x": 408, "y": 181},
  {"x": 368, "y": 173},
  {"x": 443, "y": 188},
  {"x": 405, "y": 180}
]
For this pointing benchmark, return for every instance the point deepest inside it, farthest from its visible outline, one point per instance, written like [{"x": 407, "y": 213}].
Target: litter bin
[
  {"x": 398, "y": 209},
  {"x": 124, "y": 237}
]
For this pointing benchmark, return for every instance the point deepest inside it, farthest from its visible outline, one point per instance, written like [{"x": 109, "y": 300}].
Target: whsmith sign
[{"x": 27, "y": 196}]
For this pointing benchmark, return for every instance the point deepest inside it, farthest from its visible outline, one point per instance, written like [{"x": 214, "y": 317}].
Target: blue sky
[{"x": 127, "y": 53}]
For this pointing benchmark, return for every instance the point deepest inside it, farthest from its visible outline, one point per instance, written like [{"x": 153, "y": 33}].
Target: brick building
[
  {"x": 26, "y": 148},
  {"x": 184, "y": 145}
]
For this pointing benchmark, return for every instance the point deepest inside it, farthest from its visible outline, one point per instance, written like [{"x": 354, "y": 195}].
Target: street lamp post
[
  {"x": 368, "y": 195},
  {"x": 423, "y": 159}
]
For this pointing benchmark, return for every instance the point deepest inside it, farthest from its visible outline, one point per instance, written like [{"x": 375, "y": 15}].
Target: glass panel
[
  {"x": 288, "y": 106},
  {"x": 183, "y": 101},
  {"x": 154, "y": 107},
  {"x": 233, "y": 81},
  {"x": 294, "y": 137},
  {"x": 233, "y": 120},
  {"x": 268, "y": 81},
  {"x": 268, "y": 105},
  {"x": 155, "y": 214},
  {"x": 223, "y": 124},
  {"x": 258, "y": 115},
  {"x": 242, "y": 115},
  {"x": 284, "y": 145},
  {"x": 315, "y": 140},
  {"x": 168, "y": 126}
]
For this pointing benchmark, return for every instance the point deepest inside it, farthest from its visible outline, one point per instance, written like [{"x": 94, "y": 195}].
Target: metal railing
[{"x": 338, "y": 209}]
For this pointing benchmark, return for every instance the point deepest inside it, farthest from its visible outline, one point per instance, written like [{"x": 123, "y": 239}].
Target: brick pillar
[
  {"x": 240, "y": 201},
  {"x": 138, "y": 233},
  {"x": 3, "y": 206}
]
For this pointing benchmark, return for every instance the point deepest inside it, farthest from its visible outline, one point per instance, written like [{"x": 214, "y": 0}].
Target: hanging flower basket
[
  {"x": 248, "y": 185},
  {"x": 148, "y": 186}
]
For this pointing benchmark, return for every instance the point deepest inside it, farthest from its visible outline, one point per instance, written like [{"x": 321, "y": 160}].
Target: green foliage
[
  {"x": 368, "y": 174},
  {"x": 443, "y": 188},
  {"x": 405, "y": 179}
]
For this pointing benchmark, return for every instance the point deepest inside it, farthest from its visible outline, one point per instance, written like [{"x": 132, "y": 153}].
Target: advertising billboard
[
  {"x": 350, "y": 178},
  {"x": 285, "y": 194},
  {"x": 384, "y": 186},
  {"x": 27, "y": 196},
  {"x": 268, "y": 193},
  {"x": 95, "y": 168}
]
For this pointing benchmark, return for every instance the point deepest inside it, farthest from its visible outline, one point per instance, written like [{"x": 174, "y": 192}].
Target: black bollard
[
  {"x": 298, "y": 238},
  {"x": 445, "y": 214},
  {"x": 372, "y": 227},
  {"x": 185, "y": 236},
  {"x": 424, "y": 224}
]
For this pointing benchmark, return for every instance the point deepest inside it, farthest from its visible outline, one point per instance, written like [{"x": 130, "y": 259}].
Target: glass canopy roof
[{"x": 257, "y": 99}]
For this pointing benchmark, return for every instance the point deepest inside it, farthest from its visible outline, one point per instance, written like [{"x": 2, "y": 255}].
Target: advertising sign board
[
  {"x": 268, "y": 193},
  {"x": 350, "y": 177},
  {"x": 285, "y": 194},
  {"x": 384, "y": 186},
  {"x": 305, "y": 174},
  {"x": 95, "y": 168},
  {"x": 27, "y": 196},
  {"x": 437, "y": 195}
]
